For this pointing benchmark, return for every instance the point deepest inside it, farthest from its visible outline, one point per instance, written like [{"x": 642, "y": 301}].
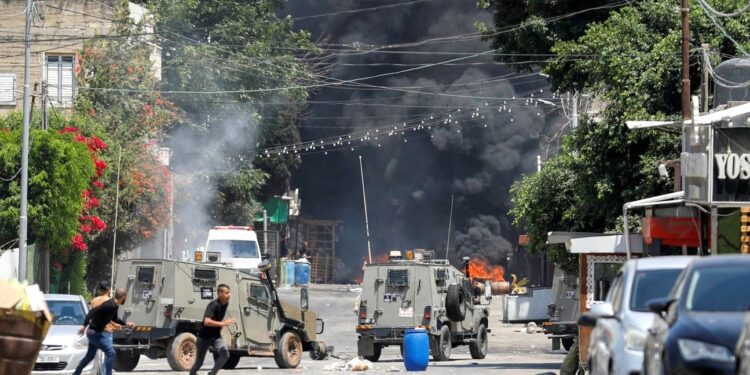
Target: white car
[
  {"x": 62, "y": 348},
  {"x": 235, "y": 246},
  {"x": 622, "y": 321}
]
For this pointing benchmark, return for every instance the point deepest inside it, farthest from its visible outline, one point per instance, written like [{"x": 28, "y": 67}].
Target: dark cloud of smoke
[
  {"x": 409, "y": 184},
  {"x": 483, "y": 237}
]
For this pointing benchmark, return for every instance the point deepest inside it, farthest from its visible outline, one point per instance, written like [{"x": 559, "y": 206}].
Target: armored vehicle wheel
[
  {"x": 455, "y": 306},
  {"x": 181, "y": 352},
  {"x": 126, "y": 360},
  {"x": 567, "y": 343},
  {"x": 441, "y": 348},
  {"x": 232, "y": 362},
  {"x": 289, "y": 350},
  {"x": 376, "y": 350},
  {"x": 479, "y": 347}
]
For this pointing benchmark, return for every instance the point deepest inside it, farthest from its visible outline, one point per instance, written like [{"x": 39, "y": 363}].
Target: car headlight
[
  {"x": 693, "y": 350},
  {"x": 635, "y": 339}
]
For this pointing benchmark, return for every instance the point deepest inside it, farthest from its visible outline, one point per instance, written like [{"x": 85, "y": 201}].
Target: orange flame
[{"x": 480, "y": 268}]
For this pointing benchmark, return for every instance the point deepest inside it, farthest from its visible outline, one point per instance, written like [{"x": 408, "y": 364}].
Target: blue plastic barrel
[
  {"x": 301, "y": 273},
  {"x": 290, "y": 268},
  {"x": 416, "y": 349}
]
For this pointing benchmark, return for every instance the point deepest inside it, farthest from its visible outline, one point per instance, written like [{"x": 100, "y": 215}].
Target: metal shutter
[{"x": 7, "y": 88}]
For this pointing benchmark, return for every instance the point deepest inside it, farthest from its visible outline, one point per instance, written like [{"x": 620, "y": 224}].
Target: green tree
[
  {"x": 630, "y": 61},
  {"x": 135, "y": 121},
  {"x": 64, "y": 172},
  {"x": 249, "y": 59}
]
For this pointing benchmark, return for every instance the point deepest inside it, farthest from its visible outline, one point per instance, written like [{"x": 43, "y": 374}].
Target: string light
[{"x": 414, "y": 125}]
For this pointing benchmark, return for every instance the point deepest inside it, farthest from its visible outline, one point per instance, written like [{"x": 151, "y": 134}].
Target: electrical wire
[
  {"x": 352, "y": 11},
  {"x": 719, "y": 13}
]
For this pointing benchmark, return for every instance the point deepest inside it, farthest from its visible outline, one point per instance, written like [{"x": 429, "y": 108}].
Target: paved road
[{"x": 512, "y": 350}]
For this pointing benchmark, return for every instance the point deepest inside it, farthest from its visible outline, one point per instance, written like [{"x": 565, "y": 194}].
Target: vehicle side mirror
[
  {"x": 587, "y": 320},
  {"x": 304, "y": 299},
  {"x": 602, "y": 310},
  {"x": 659, "y": 306}
]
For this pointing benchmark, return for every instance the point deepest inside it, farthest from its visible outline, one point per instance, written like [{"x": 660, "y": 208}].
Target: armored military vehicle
[
  {"x": 417, "y": 291},
  {"x": 167, "y": 299},
  {"x": 563, "y": 312}
]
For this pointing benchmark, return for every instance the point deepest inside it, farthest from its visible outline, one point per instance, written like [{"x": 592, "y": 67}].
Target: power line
[
  {"x": 352, "y": 11},
  {"x": 719, "y": 13}
]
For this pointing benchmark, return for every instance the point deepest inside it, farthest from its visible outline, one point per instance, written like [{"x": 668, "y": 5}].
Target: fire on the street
[{"x": 480, "y": 268}]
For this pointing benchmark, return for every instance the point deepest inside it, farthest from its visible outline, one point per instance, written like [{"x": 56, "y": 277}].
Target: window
[
  {"x": 7, "y": 89},
  {"x": 234, "y": 248},
  {"x": 258, "y": 293},
  {"x": 68, "y": 313},
  {"x": 146, "y": 275},
  {"x": 719, "y": 289},
  {"x": 398, "y": 278},
  {"x": 60, "y": 81},
  {"x": 649, "y": 285}
]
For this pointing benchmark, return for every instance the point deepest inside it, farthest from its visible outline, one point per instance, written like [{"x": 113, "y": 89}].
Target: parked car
[
  {"x": 701, "y": 320},
  {"x": 622, "y": 322},
  {"x": 63, "y": 349}
]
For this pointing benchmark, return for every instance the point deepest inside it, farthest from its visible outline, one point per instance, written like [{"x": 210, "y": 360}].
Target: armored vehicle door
[
  {"x": 396, "y": 297},
  {"x": 257, "y": 315},
  {"x": 143, "y": 287}
]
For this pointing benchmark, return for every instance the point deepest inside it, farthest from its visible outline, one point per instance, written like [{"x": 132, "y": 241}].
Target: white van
[{"x": 235, "y": 245}]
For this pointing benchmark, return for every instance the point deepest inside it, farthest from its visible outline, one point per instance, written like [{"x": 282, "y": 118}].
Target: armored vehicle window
[
  {"x": 258, "y": 293},
  {"x": 146, "y": 275},
  {"x": 205, "y": 274},
  {"x": 441, "y": 274},
  {"x": 398, "y": 277}
]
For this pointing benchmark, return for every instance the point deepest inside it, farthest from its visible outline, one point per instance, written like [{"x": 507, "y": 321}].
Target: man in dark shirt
[
  {"x": 99, "y": 339},
  {"x": 210, "y": 332}
]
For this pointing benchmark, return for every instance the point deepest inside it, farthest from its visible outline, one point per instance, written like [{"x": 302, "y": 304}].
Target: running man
[
  {"x": 210, "y": 332},
  {"x": 99, "y": 339}
]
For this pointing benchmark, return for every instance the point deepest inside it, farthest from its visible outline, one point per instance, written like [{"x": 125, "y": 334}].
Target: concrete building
[{"x": 58, "y": 31}]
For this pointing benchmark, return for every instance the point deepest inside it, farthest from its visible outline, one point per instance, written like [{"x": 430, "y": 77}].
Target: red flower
[
  {"x": 58, "y": 266},
  {"x": 98, "y": 224},
  {"x": 80, "y": 138},
  {"x": 98, "y": 184},
  {"x": 95, "y": 143},
  {"x": 159, "y": 101},
  {"x": 147, "y": 110},
  {"x": 78, "y": 243},
  {"x": 85, "y": 228},
  {"x": 69, "y": 129},
  {"x": 100, "y": 166}
]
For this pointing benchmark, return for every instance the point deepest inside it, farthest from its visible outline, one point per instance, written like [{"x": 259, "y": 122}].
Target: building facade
[{"x": 59, "y": 29}]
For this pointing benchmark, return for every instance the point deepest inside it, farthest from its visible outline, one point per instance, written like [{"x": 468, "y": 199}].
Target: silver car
[
  {"x": 622, "y": 321},
  {"x": 62, "y": 348}
]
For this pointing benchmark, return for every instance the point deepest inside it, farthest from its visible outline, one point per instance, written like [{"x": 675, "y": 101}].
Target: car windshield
[
  {"x": 234, "y": 248},
  {"x": 719, "y": 289},
  {"x": 651, "y": 284},
  {"x": 67, "y": 313}
]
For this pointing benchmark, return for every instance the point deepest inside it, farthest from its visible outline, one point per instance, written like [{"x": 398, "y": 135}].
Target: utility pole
[
  {"x": 367, "y": 221},
  {"x": 44, "y": 105},
  {"x": 23, "y": 217},
  {"x": 574, "y": 111},
  {"x": 686, "y": 108},
  {"x": 450, "y": 223},
  {"x": 704, "y": 79}
]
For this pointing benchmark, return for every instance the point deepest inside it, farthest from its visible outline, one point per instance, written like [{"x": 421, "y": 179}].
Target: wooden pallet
[{"x": 745, "y": 230}]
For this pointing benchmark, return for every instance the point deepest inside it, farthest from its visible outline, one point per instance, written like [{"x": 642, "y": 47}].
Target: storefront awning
[{"x": 607, "y": 244}]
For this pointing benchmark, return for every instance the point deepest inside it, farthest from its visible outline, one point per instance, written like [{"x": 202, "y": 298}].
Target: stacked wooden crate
[{"x": 745, "y": 230}]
